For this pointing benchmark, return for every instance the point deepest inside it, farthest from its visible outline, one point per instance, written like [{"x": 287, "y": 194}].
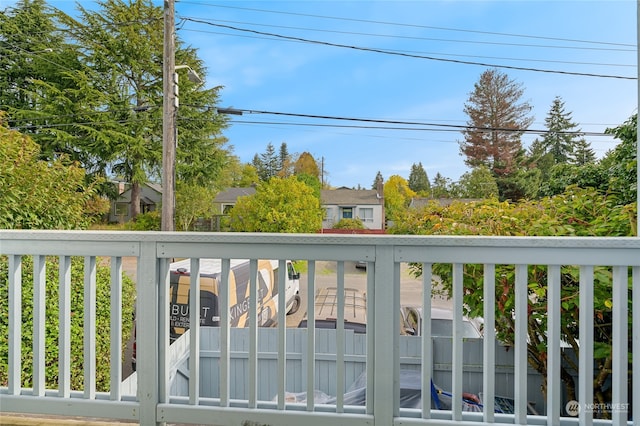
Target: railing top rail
[{"x": 311, "y": 239}]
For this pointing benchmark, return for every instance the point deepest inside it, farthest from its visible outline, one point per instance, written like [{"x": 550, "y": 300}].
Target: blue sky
[{"x": 275, "y": 73}]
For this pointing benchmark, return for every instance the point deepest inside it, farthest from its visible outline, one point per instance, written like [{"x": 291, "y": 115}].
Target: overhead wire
[
  {"x": 397, "y": 36},
  {"x": 434, "y": 53},
  {"x": 410, "y": 25},
  {"x": 387, "y": 52}
]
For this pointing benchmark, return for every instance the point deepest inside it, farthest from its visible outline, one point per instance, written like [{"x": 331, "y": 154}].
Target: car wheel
[{"x": 294, "y": 306}]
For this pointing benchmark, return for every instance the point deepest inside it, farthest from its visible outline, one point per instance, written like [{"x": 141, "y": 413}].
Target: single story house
[
  {"x": 342, "y": 203},
  {"x": 150, "y": 199}
]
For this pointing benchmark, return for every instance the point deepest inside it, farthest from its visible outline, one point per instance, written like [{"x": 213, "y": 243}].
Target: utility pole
[{"x": 168, "y": 119}]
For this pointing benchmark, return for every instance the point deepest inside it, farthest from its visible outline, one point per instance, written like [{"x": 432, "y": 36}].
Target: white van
[
  {"x": 210, "y": 275},
  {"x": 239, "y": 277}
]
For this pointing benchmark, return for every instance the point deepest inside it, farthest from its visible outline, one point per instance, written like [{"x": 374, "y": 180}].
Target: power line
[
  {"x": 386, "y": 52},
  {"x": 416, "y": 37},
  {"x": 372, "y": 123},
  {"x": 412, "y": 25},
  {"x": 434, "y": 53}
]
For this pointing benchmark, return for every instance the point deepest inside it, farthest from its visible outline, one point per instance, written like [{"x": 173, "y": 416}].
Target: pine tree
[
  {"x": 418, "y": 179},
  {"x": 285, "y": 165},
  {"x": 269, "y": 163},
  {"x": 497, "y": 118},
  {"x": 583, "y": 153},
  {"x": 378, "y": 179},
  {"x": 561, "y": 136}
]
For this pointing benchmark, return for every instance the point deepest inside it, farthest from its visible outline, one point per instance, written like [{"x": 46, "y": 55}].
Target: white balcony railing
[{"x": 382, "y": 358}]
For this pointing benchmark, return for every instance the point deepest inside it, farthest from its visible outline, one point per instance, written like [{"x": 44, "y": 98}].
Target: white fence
[{"x": 153, "y": 402}]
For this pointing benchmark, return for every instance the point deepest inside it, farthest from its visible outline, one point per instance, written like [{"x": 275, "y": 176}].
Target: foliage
[
  {"x": 193, "y": 202},
  {"x": 312, "y": 182},
  {"x": 378, "y": 180},
  {"x": 576, "y": 212},
  {"x": 285, "y": 163},
  {"x": 478, "y": 183},
  {"x": 42, "y": 195},
  {"x": 279, "y": 205},
  {"x": 103, "y": 107},
  {"x": 621, "y": 163},
  {"x": 418, "y": 180},
  {"x": 102, "y": 318},
  {"x": 397, "y": 196},
  {"x": 442, "y": 187},
  {"x": 349, "y": 224},
  {"x": 497, "y": 118},
  {"x": 266, "y": 163},
  {"x": 149, "y": 221},
  {"x": 562, "y": 134},
  {"x": 307, "y": 165}
]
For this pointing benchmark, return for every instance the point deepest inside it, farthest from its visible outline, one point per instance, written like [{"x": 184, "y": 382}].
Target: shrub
[
  {"x": 349, "y": 224},
  {"x": 103, "y": 314}
]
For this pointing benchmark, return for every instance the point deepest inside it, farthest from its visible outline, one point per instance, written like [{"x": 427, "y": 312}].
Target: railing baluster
[
  {"x": 223, "y": 310},
  {"x": 311, "y": 334},
  {"x": 64, "y": 336},
  {"x": 553, "y": 345},
  {"x": 116, "y": 328},
  {"x": 489, "y": 343},
  {"x": 520, "y": 338},
  {"x": 39, "y": 320},
  {"x": 282, "y": 332},
  {"x": 635, "y": 295},
  {"x": 371, "y": 314},
  {"x": 340, "y": 339},
  {"x": 90, "y": 327},
  {"x": 620, "y": 345},
  {"x": 585, "y": 366},
  {"x": 456, "y": 370},
  {"x": 15, "y": 324},
  {"x": 194, "y": 332},
  {"x": 253, "y": 334},
  {"x": 427, "y": 345}
]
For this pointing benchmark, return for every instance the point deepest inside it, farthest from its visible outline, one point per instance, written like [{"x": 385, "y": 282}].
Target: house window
[
  {"x": 328, "y": 213},
  {"x": 347, "y": 212},
  {"x": 121, "y": 209},
  {"x": 365, "y": 214}
]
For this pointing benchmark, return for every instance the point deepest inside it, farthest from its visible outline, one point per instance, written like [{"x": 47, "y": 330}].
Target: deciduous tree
[
  {"x": 279, "y": 205},
  {"x": 397, "y": 196}
]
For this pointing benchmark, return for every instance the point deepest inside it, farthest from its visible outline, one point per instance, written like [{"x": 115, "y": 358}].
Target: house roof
[
  {"x": 350, "y": 197},
  {"x": 231, "y": 195}
]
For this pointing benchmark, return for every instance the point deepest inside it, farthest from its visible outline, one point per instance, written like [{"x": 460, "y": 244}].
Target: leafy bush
[
  {"x": 149, "y": 221},
  {"x": 103, "y": 314},
  {"x": 43, "y": 195},
  {"x": 576, "y": 212},
  {"x": 349, "y": 224}
]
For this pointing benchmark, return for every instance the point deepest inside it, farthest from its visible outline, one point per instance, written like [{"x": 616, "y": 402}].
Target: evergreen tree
[
  {"x": 560, "y": 138},
  {"x": 583, "y": 153},
  {"x": 378, "y": 179},
  {"x": 268, "y": 163},
  {"x": 418, "y": 179},
  {"x": 285, "y": 165},
  {"x": 497, "y": 118},
  {"x": 441, "y": 187}
]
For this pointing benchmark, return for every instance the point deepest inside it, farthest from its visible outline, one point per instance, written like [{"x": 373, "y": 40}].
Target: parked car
[{"x": 355, "y": 315}]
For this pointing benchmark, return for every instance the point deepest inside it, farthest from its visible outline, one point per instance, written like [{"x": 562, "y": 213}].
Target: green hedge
[{"x": 103, "y": 313}]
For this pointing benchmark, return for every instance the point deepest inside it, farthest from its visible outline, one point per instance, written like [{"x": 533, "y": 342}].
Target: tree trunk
[{"x": 135, "y": 200}]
